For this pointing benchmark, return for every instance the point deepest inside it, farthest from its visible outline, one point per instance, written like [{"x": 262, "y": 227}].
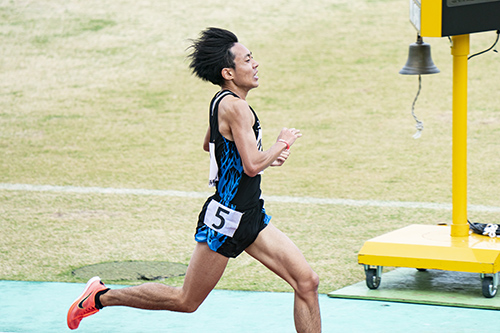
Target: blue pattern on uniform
[
  {"x": 231, "y": 169},
  {"x": 213, "y": 239},
  {"x": 267, "y": 218}
]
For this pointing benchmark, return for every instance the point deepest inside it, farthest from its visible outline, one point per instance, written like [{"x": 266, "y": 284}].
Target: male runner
[{"x": 233, "y": 220}]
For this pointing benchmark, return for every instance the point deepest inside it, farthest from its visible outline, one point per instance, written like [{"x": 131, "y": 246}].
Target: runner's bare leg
[
  {"x": 278, "y": 253},
  {"x": 204, "y": 271}
]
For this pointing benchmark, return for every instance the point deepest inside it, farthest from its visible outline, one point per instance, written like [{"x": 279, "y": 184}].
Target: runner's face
[{"x": 245, "y": 71}]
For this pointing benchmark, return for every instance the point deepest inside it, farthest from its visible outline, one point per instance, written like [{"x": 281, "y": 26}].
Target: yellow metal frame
[
  {"x": 460, "y": 51},
  {"x": 442, "y": 247},
  {"x": 432, "y": 247},
  {"x": 431, "y": 18}
]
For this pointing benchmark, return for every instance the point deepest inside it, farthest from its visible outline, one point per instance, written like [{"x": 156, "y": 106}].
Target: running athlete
[{"x": 233, "y": 220}]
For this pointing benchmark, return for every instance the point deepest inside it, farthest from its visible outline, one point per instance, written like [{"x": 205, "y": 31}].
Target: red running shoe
[{"x": 84, "y": 305}]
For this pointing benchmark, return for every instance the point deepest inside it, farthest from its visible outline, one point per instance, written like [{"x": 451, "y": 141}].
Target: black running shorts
[{"x": 214, "y": 218}]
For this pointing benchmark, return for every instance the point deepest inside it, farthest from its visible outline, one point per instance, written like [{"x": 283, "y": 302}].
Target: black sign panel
[
  {"x": 462, "y": 17},
  {"x": 454, "y": 3}
]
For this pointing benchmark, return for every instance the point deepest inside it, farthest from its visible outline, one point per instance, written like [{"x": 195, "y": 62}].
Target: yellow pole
[{"x": 460, "y": 52}]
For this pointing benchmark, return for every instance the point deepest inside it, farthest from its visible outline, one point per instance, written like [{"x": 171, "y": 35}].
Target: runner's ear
[{"x": 227, "y": 74}]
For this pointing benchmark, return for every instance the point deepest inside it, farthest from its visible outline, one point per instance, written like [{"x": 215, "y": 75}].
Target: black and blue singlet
[{"x": 234, "y": 190}]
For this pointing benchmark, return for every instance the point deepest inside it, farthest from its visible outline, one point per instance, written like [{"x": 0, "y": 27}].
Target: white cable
[{"x": 490, "y": 230}]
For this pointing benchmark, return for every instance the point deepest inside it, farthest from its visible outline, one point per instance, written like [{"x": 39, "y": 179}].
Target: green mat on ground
[{"x": 434, "y": 287}]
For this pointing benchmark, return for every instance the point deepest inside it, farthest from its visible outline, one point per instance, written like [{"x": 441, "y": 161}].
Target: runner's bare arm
[
  {"x": 281, "y": 159},
  {"x": 237, "y": 120},
  {"x": 206, "y": 140}
]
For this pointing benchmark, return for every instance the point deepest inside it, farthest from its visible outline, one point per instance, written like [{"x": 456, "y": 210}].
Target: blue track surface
[{"x": 42, "y": 307}]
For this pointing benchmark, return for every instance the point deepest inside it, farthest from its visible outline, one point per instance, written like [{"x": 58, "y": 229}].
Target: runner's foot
[{"x": 84, "y": 305}]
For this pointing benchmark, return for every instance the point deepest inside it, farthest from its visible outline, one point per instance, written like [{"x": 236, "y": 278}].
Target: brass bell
[{"x": 419, "y": 60}]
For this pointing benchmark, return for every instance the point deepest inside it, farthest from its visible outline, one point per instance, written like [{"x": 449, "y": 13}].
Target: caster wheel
[
  {"x": 372, "y": 280},
  {"x": 489, "y": 290}
]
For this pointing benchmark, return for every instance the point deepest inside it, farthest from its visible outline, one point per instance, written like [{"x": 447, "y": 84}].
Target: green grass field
[{"x": 99, "y": 94}]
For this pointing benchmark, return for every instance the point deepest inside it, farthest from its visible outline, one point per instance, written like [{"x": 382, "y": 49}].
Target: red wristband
[{"x": 287, "y": 145}]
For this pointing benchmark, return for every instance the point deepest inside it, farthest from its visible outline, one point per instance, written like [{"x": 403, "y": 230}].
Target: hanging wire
[
  {"x": 492, "y": 46},
  {"x": 420, "y": 124}
]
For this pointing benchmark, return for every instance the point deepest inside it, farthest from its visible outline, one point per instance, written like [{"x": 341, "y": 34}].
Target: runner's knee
[
  {"x": 188, "y": 306},
  {"x": 308, "y": 284}
]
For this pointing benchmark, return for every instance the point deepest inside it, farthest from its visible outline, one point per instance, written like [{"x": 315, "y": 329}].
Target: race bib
[
  {"x": 222, "y": 219},
  {"x": 213, "y": 177}
]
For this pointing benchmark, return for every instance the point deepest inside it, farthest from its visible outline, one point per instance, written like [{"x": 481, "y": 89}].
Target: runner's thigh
[{"x": 278, "y": 253}]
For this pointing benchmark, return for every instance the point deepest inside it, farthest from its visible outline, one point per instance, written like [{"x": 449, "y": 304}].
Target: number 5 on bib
[{"x": 222, "y": 219}]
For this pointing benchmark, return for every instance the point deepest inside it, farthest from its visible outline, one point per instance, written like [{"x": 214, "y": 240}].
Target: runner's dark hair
[{"x": 211, "y": 52}]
